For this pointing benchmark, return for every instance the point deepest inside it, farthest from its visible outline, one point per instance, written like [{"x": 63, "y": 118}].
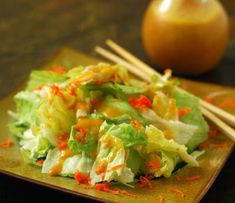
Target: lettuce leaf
[
  {"x": 27, "y": 104},
  {"x": 33, "y": 147},
  {"x": 72, "y": 164},
  {"x": 87, "y": 148},
  {"x": 44, "y": 77},
  {"x": 111, "y": 154},
  {"x": 129, "y": 135},
  {"x": 157, "y": 141},
  {"x": 194, "y": 117},
  {"x": 177, "y": 130}
]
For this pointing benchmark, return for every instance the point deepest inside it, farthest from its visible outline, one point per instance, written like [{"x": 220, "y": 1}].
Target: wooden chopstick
[
  {"x": 227, "y": 117},
  {"x": 120, "y": 61},
  {"x": 139, "y": 72}
]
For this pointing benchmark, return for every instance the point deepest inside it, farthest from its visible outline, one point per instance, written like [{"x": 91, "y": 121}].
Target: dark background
[{"x": 32, "y": 31}]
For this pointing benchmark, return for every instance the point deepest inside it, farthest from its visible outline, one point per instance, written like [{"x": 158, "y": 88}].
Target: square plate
[{"x": 211, "y": 162}]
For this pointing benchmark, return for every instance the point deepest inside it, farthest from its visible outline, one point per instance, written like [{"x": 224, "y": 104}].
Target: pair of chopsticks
[{"x": 134, "y": 65}]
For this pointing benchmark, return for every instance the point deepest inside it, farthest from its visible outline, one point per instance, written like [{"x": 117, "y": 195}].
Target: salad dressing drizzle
[{"x": 57, "y": 168}]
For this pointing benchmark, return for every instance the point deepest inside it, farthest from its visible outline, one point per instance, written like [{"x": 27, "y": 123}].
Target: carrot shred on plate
[
  {"x": 145, "y": 181},
  {"x": 219, "y": 145},
  {"x": 83, "y": 178},
  {"x": 124, "y": 192},
  {"x": 6, "y": 143},
  {"x": 214, "y": 132},
  {"x": 179, "y": 192},
  {"x": 208, "y": 100},
  {"x": 161, "y": 199},
  {"x": 178, "y": 178},
  {"x": 227, "y": 103},
  {"x": 40, "y": 162},
  {"x": 204, "y": 145},
  {"x": 192, "y": 178}
]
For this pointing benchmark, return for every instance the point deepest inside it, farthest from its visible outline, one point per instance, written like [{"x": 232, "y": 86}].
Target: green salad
[{"x": 98, "y": 124}]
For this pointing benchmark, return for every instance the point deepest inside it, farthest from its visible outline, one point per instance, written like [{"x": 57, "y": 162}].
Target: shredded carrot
[
  {"x": 204, "y": 145},
  {"x": 95, "y": 101},
  {"x": 167, "y": 71},
  {"x": 145, "y": 181},
  {"x": 124, "y": 192},
  {"x": 101, "y": 168},
  {"x": 214, "y": 132},
  {"x": 180, "y": 192},
  {"x": 105, "y": 187},
  {"x": 140, "y": 103},
  {"x": 161, "y": 199},
  {"x": 40, "y": 161},
  {"x": 82, "y": 177},
  {"x": 73, "y": 87},
  {"x": 219, "y": 145},
  {"x": 136, "y": 124},
  {"x": 62, "y": 145},
  {"x": 153, "y": 164},
  {"x": 88, "y": 187},
  {"x": 81, "y": 135},
  {"x": 208, "y": 100},
  {"x": 39, "y": 88},
  {"x": 64, "y": 136},
  {"x": 227, "y": 103},
  {"x": 6, "y": 143},
  {"x": 183, "y": 111},
  {"x": 99, "y": 82},
  {"x": 114, "y": 168},
  {"x": 102, "y": 186},
  {"x": 178, "y": 178},
  {"x": 59, "y": 69},
  {"x": 55, "y": 89},
  {"x": 114, "y": 192},
  {"x": 191, "y": 178}
]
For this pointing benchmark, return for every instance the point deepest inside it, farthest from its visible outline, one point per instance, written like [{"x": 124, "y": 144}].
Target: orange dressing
[
  {"x": 89, "y": 123},
  {"x": 108, "y": 110},
  {"x": 56, "y": 169}
]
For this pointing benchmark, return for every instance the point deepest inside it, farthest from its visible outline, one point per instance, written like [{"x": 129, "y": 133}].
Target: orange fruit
[{"x": 188, "y": 36}]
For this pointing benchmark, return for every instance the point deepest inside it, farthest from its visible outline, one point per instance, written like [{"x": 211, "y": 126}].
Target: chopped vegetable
[
  {"x": 99, "y": 126},
  {"x": 6, "y": 143},
  {"x": 179, "y": 192}
]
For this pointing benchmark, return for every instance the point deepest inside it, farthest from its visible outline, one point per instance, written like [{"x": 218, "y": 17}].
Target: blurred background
[{"x": 33, "y": 31}]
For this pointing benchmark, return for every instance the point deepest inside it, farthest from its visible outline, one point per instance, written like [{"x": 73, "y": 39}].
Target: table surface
[{"x": 32, "y": 31}]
